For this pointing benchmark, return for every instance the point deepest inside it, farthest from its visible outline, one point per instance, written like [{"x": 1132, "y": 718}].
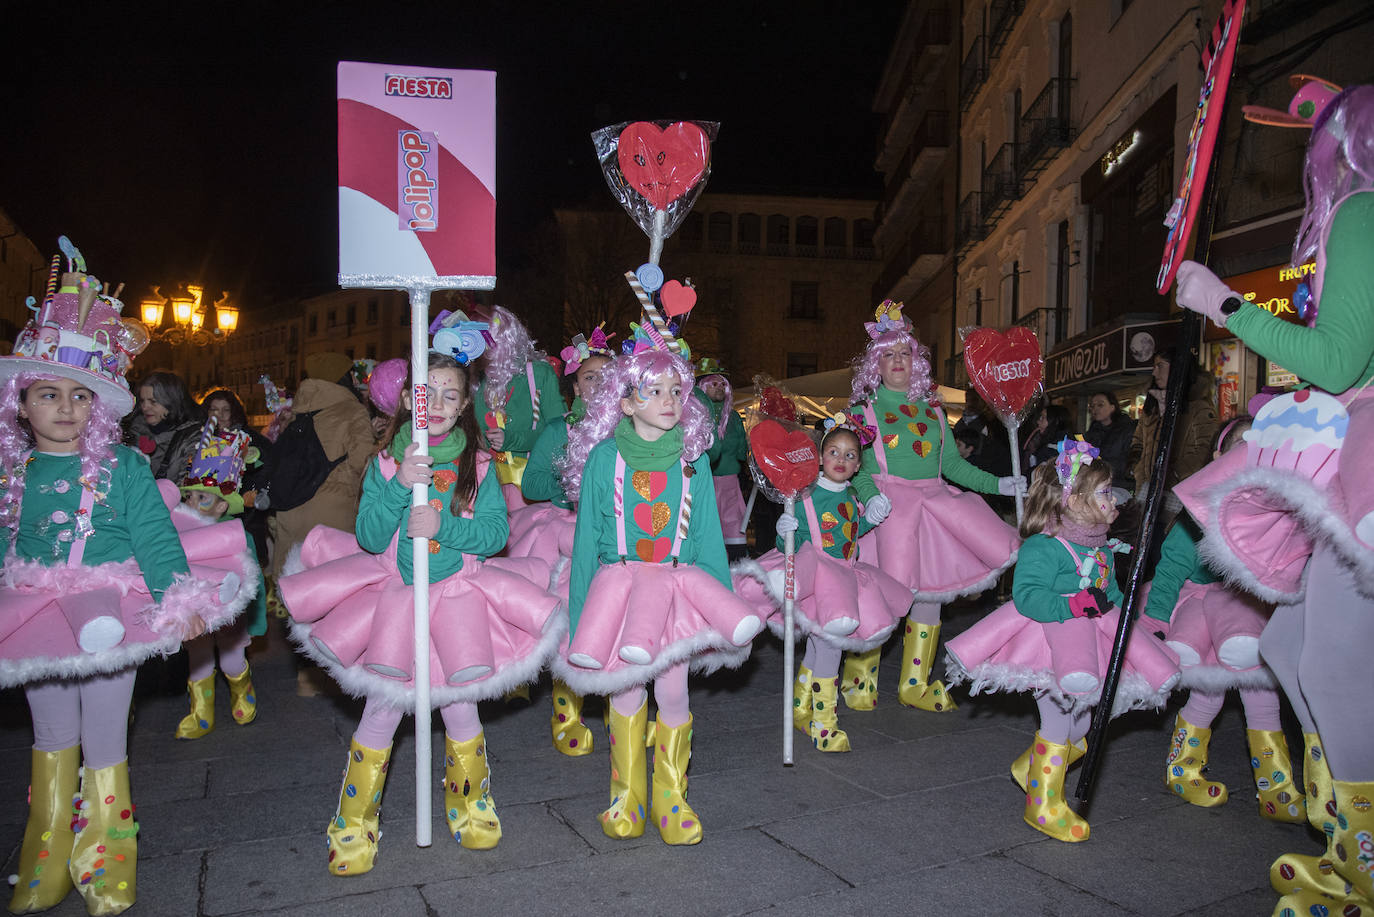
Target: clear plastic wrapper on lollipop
[
  {"x": 656, "y": 170},
  {"x": 1008, "y": 371}
]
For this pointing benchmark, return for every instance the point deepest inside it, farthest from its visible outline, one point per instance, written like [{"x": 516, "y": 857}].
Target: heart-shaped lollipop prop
[
  {"x": 676, "y": 298},
  {"x": 790, "y": 461},
  {"x": 663, "y": 164},
  {"x": 1005, "y": 367}
]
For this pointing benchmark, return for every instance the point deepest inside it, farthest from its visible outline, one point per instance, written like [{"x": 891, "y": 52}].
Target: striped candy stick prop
[{"x": 658, "y": 326}]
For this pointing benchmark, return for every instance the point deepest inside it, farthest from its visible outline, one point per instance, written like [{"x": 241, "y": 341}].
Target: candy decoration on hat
[
  {"x": 277, "y": 400},
  {"x": 218, "y": 462},
  {"x": 854, "y": 423},
  {"x": 584, "y": 347},
  {"x": 457, "y": 336},
  {"x": 887, "y": 318},
  {"x": 1074, "y": 454}
]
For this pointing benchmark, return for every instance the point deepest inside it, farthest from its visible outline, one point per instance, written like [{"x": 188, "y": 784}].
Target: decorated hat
[
  {"x": 661, "y": 327},
  {"x": 384, "y": 389},
  {"x": 218, "y": 462},
  {"x": 277, "y": 400},
  {"x": 887, "y": 317},
  {"x": 77, "y": 333},
  {"x": 457, "y": 336},
  {"x": 1311, "y": 95},
  {"x": 854, "y": 423},
  {"x": 708, "y": 366},
  {"x": 584, "y": 347},
  {"x": 362, "y": 373},
  {"x": 1074, "y": 454}
]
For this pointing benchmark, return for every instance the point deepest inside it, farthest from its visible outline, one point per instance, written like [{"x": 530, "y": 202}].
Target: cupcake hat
[
  {"x": 77, "y": 333},
  {"x": 457, "y": 336},
  {"x": 218, "y": 462}
]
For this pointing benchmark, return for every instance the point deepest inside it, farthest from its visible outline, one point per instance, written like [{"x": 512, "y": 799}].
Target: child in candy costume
[
  {"x": 841, "y": 603},
  {"x": 1055, "y": 637},
  {"x": 1215, "y": 631},
  {"x": 1291, "y": 517},
  {"x": 650, "y": 592},
  {"x": 95, "y": 581},
  {"x": 545, "y": 528},
  {"x": 942, "y": 543},
  {"x": 517, "y": 398},
  {"x": 211, "y": 494},
  {"x": 728, "y": 453},
  {"x": 492, "y": 622}
]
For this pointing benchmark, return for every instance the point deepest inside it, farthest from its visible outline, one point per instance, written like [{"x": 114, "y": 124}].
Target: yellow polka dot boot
[
  {"x": 1047, "y": 810},
  {"x": 243, "y": 700},
  {"x": 1321, "y": 799},
  {"x": 104, "y": 861},
  {"x": 918, "y": 655},
  {"x": 201, "y": 720},
  {"x": 42, "y": 872},
  {"x": 859, "y": 679},
  {"x": 1021, "y": 766},
  {"x": 801, "y": 700},
  {"x": 824, "y": 728},
  {"x": 1342, "y": 880},
  {"x": 1280, "y": 798},
  {"x": 626, "y": 815},
  {"x": 468, "y": 806},
  {"x": 355, "y": 828},
  {"x": 570, "y": 734},
  {"x": 1183, "y": 771},
  {"x": 676, "y": 822}
]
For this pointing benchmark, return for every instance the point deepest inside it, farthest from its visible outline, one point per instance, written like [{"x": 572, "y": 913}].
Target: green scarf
[
  {"x": 577, "y": 411},
  {"x": 443, "y": 453},
  {"x": 659, "y": 455}
]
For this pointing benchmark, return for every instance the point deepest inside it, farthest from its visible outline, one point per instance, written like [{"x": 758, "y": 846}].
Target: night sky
[{"x": 197, "y": 141}]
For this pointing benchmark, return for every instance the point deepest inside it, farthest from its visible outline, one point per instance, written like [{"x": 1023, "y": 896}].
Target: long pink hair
[
  {"x": 511, "y": 348},
  {"x": 96, "y": 445},
  {"x": 867, "y": 378},
  {"x": 1340, "y": 159},
  {"x": 618, "y": 380}
]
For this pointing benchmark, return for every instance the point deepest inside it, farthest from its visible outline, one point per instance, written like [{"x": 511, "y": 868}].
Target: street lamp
[{"x": 189, "y": 316}]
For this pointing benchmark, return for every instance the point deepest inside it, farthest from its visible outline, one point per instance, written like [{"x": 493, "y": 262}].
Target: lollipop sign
[
  {"x": 1005, "y": 367},
  {"x": 663, "y": 164},
  {"x": 788, "y": 460}
]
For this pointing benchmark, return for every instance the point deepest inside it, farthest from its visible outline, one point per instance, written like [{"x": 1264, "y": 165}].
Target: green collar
[
  {"x": 443, "y": 453},
  {"x": 659, "y": 455},
  {"x": 577, "y": 411}
]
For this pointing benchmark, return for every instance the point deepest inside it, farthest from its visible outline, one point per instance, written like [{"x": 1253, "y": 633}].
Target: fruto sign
[{"x": 1272, "y": 288}]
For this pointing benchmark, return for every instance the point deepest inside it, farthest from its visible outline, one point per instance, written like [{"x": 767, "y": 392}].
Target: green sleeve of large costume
[
  {"x": 486, "y": 532},
  {"x": 540, "y": 480},
  {"x": 380, "y": 509},
  {"x": 956, "y": 468},
  {"x": 1338, "y": 353},
  {"x": 593, "y": 506},
  {"x": 1037, "y": 586},
  {"x": 154, "y": 540},
  {"x": 863, "y": 482}
]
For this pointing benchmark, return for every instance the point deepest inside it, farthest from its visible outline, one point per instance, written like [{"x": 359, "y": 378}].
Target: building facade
[{"x": 23, "y": 273}]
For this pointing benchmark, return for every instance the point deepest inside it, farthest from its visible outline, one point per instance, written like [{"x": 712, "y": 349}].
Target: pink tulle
[{"x": 186, "y": 598}]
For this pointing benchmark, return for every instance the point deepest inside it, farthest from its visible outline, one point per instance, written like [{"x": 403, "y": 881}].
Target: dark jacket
[{"x": 1114, "y": 441}]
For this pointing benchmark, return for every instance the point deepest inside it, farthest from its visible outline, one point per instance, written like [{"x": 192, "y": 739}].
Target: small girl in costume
[
  {"x": 1291, "y": 517},
  {"x": 942, "y": 543},
  {"x": 1215, "y": 631},
  {"x": 728, "y": 453},
  {"x": 650, "y": 592},
  {"x": 841, "y": 604},
  {"x": 492, "y": 623},
  {"x": 94, "y": 582},
  {"x": 1055, "y": 637},
  {"x": 211, "y": 494},
  {"x": 545, "y": 528},
  {"x": 517, "y": 398}
]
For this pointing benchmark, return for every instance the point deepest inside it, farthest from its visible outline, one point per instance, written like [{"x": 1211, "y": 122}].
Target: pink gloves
[
  {"x": 1202, "y": 291},
  {"x": 1090, "y": 603}
]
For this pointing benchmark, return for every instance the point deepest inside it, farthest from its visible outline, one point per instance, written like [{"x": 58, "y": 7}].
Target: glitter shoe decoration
[
  {"x": 356, "y": 826},
  {"x": 626, "y": 815},
  {"x": 677, "y": 823}
]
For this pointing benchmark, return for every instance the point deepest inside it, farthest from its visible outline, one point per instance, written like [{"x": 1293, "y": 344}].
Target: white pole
[
  {"x": 419, "y": 428},
  {"x": 749, "y": 509},
  {"x": 788, "y": 652},
  {"x": 1012, "y": 426}
]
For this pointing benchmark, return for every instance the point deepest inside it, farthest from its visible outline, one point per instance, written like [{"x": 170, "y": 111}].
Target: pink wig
[
  {"x": 867, "y": 378},
  {"x": 96, "y": 444},
  {"x": 619, "y": 379},
  {"x": 511, "y": 348},
  {"x": 1340, "y": 160},
  {"x": 726, "y": 406}
]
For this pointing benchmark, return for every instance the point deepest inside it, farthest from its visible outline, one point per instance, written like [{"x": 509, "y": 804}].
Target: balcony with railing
[
  {"x": 973, "y": 72},
  {"x": 914, "y": 260},
  {"x": 1046, "y": 128},
  {"x": 969, "y": 226},
  {"x": 922, "y": 70},
  {"x": 928, "y": 147},
  {"x": 1050, "y": 325},
  {"x": 1001, "y": 185},
  {"x": 1001, "y": 20}
]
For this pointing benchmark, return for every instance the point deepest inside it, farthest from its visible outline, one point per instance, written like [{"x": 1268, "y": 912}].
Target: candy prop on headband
[
  {"x": 1074, "y": 454},
  {"x": 457, "y": 336},
  {"x": 843, "y": 420},
  {"x": 584, "y": 347},
  {"x": 887, "y": 318},
  {"x": 277, "y": 400}
]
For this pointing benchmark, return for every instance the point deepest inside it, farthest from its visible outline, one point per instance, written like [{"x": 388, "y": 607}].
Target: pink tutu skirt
[
  {"x": 492, "y": 625},
  {"x": 1007, "y": 651},
  {"x": 640, "y": 619},
  {"x": 852, "y": 606},
  {"x": 75, "y": 621},
  {"x": 541, "y": 530},
  {"x": 1215, "y": 632},
  {"x": 940, "y": 541},
  {"x": 730, "y": 503}
]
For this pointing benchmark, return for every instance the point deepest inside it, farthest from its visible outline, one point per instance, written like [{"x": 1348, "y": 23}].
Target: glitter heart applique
[
  {"x": 889, "y": 418},
  {"x": 931, "y": 414},
  {"x": 921, "y": 448},
  {"x": 828, "y": 521},
  {"x": 827, "y": 540},
  {"x": 649, "y": 484},
  {"x": 653, "y": 551},
  {"x": 437, "y": 504},
  {"x": 907, "y": 409},
  {"x": 652, "y": 517},
  {"x": 848, "y": 530},
  {"x": 444, "y": 479},
  {"x": 848, "y": 549},
  {"x": 890, "y": 441},
  {"x": 846, "y": 510}
]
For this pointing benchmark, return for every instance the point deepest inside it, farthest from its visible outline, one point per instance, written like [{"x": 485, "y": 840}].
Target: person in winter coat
[
  {"x": 165, "y": 427},
  {"x": 1111, "y": 432}
]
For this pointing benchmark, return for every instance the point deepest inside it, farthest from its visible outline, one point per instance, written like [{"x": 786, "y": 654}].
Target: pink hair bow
[
  {"x": 854, "y": 424},
  {"x": 888, "y": 317}
]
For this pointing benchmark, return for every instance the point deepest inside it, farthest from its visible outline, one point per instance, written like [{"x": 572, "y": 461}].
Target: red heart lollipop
[
  {"x": 677, "y": 299},
  {"x": 790, "y": 461},
  {"x": 1005, "y": 367},
  {"x": 663, "y": 164}
]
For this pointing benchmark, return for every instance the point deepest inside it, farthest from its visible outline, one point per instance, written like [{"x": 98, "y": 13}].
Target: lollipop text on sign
[{"x": 417, "y": 179}]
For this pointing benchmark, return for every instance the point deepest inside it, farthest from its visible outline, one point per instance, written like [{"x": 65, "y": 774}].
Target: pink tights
[
  {"x": 1060, "y": 727},
  {"x": 378, "y": 725},
  {"x": 1261, "y": 708},
  {"x": 93, "y": 712},
  {"x": 670, "y": 693},
  {"x": 822, "y": 658},
  {"x": 232, "y": 642}
]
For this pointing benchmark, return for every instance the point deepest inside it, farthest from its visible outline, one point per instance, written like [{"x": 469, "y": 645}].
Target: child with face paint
[
  {"x": 941, "y": 542},
  {"x": 650, "y": 594},
  {"x": 841, "y": 603},
  {"x": 544, "y": 529},
  {"x": 728, "y": 453},
  {"x": 1055, "y": 637},
  {"x": 492, "y": 621}
]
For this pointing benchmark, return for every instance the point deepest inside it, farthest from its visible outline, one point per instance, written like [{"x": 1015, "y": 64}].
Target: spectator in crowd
[
  {"x": 1194, "y": 433},
  {"x": 1111, "y": 431},
  {"x": 1052, "y": 424},
  {"x": 165, "y": 425}
]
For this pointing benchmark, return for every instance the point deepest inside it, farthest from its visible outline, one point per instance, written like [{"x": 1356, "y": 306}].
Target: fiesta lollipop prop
[
  {"x": 784, "y": 461},
  {"x": 1008, "y": 371}
]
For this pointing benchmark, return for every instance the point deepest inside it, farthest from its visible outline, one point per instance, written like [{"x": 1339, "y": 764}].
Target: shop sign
[
  {"x": 1272, "y": 288},
  {"x": 1130, "y": 349}
]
